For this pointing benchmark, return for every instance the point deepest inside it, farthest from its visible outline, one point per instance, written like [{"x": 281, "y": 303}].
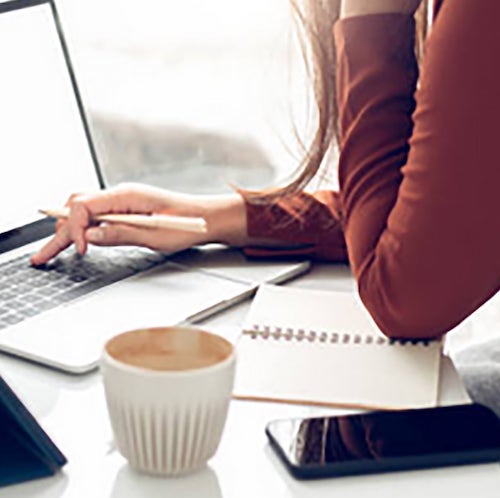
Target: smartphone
[{"x": 382, "y": 441}]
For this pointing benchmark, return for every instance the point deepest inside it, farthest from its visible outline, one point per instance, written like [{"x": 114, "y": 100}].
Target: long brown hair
[{"x": 315, "y": 20}]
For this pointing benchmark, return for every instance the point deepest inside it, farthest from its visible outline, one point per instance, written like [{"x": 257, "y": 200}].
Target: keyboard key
[
  {"x": 12, "y": 319},
  {"x": 39, "y": 283},
  {"x": 23, "y": 289},
  {"x": 15, "y": 305},
  {"x": 63, "y": 284},
  {"x": 28, "y": 312},
  {"x": 4, "y": 296},
  {"x": 45, "y": 305},
  {"x": 31, "y": 298},
  {"x": 78, "y": 278}
]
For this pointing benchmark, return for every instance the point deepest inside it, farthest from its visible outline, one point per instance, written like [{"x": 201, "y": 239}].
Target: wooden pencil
[{"x": 184, "y": 223}]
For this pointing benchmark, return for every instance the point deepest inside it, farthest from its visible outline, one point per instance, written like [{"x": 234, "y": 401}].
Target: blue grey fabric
[{"x": 479, "y": 368}]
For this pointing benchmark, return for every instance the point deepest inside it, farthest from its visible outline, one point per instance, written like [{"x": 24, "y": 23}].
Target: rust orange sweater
[{"x": 418, "y": 212}]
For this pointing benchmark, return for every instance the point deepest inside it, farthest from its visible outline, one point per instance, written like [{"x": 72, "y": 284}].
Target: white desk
[{"x": 72, "y": 410}]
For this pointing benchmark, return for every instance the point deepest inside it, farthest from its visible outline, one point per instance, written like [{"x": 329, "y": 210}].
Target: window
[{"x": 190, "y": 94}]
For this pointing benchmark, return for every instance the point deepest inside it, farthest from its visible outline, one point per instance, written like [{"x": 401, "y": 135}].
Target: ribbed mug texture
[{"x": 168, "y": 422}]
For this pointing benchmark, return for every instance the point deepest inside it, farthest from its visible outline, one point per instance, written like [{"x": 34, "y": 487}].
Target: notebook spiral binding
[{"x": 277, "y": 333}]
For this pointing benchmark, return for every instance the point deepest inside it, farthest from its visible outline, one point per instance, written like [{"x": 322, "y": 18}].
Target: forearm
[
  {"x": 351, "y": 8},
  {"x": 227, "y": 219}
]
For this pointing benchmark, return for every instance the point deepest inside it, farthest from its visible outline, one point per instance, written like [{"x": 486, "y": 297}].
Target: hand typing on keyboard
[{"x": 225, "y": 216}]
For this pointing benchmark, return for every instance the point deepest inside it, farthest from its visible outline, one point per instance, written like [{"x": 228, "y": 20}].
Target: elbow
[
  {"x": 406, "y": 312},
  {"x": 394, "y": 327}
]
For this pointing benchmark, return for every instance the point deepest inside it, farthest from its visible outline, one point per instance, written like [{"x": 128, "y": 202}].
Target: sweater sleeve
[
  {"x": 418, "y": 170},
  {"x": 304, "y": 224}
]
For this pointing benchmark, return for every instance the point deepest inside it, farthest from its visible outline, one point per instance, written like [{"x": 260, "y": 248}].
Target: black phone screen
[{"x": 386, "y": 440}]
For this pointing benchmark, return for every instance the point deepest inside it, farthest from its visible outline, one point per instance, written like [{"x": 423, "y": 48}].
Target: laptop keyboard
[{"x": 26, "y": 291}]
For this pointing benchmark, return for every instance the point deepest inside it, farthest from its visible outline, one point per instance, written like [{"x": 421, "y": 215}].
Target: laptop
[{"x": 61, "y": 314}]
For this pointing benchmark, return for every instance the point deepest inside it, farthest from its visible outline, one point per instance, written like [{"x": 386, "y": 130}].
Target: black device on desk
[
  {"x": 26, "y": 451},
  {"x": 384, "y": 441}
]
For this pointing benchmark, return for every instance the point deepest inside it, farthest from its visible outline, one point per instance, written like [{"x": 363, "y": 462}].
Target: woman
[{"x": 417, "y": 212}]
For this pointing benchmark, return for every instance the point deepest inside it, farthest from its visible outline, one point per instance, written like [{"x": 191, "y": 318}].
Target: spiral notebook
[{"x": 322, "y": 348}]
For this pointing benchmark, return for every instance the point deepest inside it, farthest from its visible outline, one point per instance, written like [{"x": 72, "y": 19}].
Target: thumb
[{"x": 115, "y": 234}]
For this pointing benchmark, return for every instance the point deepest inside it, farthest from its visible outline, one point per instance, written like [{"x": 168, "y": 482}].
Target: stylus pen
[{"x": 187, "y": 224}]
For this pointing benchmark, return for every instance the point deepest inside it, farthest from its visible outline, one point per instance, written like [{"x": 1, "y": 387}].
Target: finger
[
  {"x": 158, "y": 240},
  {"x": 54, "y": 246},
  {"x": 78, "y": 222},
  {"x": 125, "y": 198},
  {"x": 82, "y": 207},
  {"x": 114, "y": 234},
  {"x": 73, "y": 197}
]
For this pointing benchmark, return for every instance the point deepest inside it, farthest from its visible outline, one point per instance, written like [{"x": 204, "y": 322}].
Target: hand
[
  {"x": 350, "y": 8},
  {"x": 224, "y": 214}
]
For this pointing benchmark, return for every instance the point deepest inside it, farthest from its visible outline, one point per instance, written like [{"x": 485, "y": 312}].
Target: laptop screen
[{"x": 45, "y": 153}]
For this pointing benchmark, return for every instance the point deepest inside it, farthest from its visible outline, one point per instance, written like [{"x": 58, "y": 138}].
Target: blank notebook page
[{"x": 323, "y": 348}]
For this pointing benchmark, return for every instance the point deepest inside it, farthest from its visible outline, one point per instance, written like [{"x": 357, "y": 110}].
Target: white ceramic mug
[{"x": 168, "y": 391}]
